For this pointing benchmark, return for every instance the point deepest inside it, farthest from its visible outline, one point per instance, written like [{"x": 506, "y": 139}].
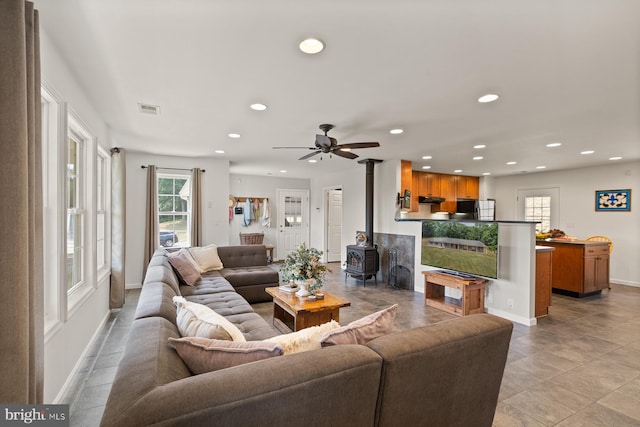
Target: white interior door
[
  {"x": 334, "y": 225},
  {"x": 293, "y": 220}
]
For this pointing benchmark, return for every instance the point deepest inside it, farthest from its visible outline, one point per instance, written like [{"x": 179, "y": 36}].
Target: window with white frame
[
  {"x": 174, "y": 209},
  {"x": 103, "y": 176},
  {"x": 75, "y": 204},
  {"x": 538, "y": 208}
]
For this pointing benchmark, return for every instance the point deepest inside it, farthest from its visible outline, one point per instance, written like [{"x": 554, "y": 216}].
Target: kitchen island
[{"x": 580, "y": 267}]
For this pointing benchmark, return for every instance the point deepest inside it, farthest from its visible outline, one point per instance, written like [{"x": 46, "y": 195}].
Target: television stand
[{"x": 472, "y": 287}]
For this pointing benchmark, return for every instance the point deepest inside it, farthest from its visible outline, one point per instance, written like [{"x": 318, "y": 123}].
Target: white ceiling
[{"x": 566, "y": 70}]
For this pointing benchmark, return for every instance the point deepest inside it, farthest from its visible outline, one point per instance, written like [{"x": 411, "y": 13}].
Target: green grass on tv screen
[{"x": 468, "y": 262}]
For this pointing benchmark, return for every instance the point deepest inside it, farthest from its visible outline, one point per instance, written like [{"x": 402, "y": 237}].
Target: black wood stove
[{"x": 363, "y": 260}]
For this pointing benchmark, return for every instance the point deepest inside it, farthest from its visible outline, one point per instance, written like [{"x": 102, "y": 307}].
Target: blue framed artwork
[{"x": 613, "y": 200}]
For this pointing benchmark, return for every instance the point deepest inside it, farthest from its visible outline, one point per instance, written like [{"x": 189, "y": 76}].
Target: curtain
[
  {"x": 118, "y": 227},
  {"x": 21, "y": 258},
  {"x": 196, "y": 207},
  {"x": 151, "y": 239}
]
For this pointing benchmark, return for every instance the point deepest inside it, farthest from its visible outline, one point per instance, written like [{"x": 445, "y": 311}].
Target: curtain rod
[{"x": 174, "y": 169}]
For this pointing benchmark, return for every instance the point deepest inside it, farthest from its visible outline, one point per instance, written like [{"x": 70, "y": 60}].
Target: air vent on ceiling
[{"x": 149, "y": 109}]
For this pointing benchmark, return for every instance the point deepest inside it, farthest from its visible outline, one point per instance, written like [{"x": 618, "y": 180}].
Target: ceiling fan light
[
  {"x": 345, "y": 149},
  {"x": 311, "y": 46}
]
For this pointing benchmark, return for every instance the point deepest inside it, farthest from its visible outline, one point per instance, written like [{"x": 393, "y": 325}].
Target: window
[
  {"x": 103, "y": 191},
  {"x": 538, "y": 208},
  {"x": 75, "y": 204},
  {"x": 174, "y": 210}
]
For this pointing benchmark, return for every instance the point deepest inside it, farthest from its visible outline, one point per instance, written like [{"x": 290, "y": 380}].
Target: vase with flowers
[{"x": 303, "y": 267}]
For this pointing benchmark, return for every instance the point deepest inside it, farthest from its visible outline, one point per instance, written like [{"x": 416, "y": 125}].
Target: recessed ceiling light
[
  {"x": 478, "y": 158},
  {"x": 479, "y": 146},
  {"x": 234, "y": 135},
  {"x": 426, "y": 157},
  {"x": 486, "y": 173},
  {"x": 258, "y": 107},
  {"x": 490, "y": 97},
  {"x": 587, "y": 152},
  {"x": 426, "y": 167},
  {"x": 396, "y": 131},
  {"x": 313, "y": 161},
  {"x": 541, "y": 167},
  {"x": 149, "y": 109},
  {"x": 615, "y": 158},
  {"x": 554, "y": 144},
  {"x": 219, "y": 151},
  {"x": 311, "y": 46},
  {"x": 511, "y": 163},
  {"x": 458, "y": 170},
  {"x": 283, "y": 171}
]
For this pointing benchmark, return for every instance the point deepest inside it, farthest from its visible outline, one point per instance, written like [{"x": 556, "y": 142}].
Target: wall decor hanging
[{"x": 613, "y": 200}]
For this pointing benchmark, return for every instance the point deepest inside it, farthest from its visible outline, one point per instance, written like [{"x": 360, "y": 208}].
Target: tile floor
[{"x": 580, "y": 366}]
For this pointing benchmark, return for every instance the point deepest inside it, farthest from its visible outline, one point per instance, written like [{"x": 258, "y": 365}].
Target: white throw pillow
[
  {"x": 197, "y": 320},
  {"x": 305, "y": 339},
  {"x": 207, "y": 258}
]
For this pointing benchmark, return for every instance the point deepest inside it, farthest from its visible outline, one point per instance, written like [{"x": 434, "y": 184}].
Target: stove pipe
[{"x": 369, "y": 182}]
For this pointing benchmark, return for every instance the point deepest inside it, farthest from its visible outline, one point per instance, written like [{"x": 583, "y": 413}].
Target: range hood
[{"x": 429, "y": 199}]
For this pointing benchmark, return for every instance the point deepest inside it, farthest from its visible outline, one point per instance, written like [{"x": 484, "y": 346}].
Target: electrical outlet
[{"x": 510, "y": 302}]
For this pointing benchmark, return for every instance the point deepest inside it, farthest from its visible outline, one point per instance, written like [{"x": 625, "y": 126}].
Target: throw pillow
[
  {"x": 363, "y": 330},
  {"x": 184, "y": 268},
  {"x": 207, "y": 258},
  {"x": 197, "y": 320},
  {"x": 305, "y": 339},
  {"x": 205, "y": 355}
]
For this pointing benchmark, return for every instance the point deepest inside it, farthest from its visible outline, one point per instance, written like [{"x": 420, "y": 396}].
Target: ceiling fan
[{"x": 326, "y": 144}]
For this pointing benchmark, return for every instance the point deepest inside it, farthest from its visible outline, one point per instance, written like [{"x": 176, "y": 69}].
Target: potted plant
[{"x": 303, "y": 267}]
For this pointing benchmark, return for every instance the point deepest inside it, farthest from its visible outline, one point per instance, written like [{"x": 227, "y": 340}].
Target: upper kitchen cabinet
[
  {"x": 467, "y": 187},
  {"x": 428, "y": 184}
]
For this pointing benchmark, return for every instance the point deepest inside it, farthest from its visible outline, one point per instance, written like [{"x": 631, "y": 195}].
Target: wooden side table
[
  {"x": 292, "y": 313},
  {"x": 472, "y": 301}
]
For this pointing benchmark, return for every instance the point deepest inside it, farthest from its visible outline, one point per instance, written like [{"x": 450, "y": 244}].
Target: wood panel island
[{"x": 580, "y": 267}]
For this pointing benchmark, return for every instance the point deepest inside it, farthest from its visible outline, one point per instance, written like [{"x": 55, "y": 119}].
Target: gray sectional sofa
[{"x": 445, "y": 374}]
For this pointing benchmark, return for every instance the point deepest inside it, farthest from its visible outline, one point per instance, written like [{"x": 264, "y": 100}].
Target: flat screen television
[{"x": 461, "y": 247}]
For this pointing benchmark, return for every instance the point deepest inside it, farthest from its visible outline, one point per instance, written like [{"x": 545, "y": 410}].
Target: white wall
[
  {"x": 577, "y": 215},
  {"x": 260, "y": 186},
  {"x": 70, "y": 339},
  {"x": 215, "y": 195}
]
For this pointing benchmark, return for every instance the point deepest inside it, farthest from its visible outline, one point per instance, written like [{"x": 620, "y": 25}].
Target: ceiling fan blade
[
  {"x": 345, "y": 154},
  {"x": 360, "y": 145},
  {"x": 323, "y": 141},
  {"x": 304, "y": 148},
  {"x": 308, "y": 156}
]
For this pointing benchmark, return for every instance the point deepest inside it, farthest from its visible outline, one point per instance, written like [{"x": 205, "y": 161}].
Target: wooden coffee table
[{"x": 292, "y": 313}]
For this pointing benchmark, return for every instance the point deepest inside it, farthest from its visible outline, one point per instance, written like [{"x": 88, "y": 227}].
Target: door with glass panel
[{"x": 293, "y": 220}]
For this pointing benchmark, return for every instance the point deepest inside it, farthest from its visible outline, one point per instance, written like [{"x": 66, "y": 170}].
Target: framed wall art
[{"x": 613, "y": 200}]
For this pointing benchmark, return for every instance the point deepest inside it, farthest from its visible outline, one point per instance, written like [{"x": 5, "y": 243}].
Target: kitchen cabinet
[
  {"x": 428, "y": 184},
  {"x": 448, "y": 192},
  {"x": 544, "y": 269},
  {"x": 467, "y": 187},
  {"x": 580, "y": 267}
]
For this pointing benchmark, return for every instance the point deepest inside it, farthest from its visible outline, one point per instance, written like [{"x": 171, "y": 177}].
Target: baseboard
[
  {"x": 514, "y": 318},
  {"x": 133, "y": 286},
  {"x": 76, "y": 368},
  {"x": 625, "y": 283}
]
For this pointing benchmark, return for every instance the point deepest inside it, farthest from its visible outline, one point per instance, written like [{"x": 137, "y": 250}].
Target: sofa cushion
[
  {"x": 210, "y": 283},
  {"x": 363, "y": 330},
  {"x": 162, "y": 271},
  {"x": 250, "y": 276},
  {"x": 305, "y": 339},
  {"x": 156, "y": 300},
  {"x": 243, "y": 255},
  {"x": 207, "y": 258},
  {"x": 205, "y": 355},
  {"x": 187, "y": 271},
  {"x": 199, "y": 320}
]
